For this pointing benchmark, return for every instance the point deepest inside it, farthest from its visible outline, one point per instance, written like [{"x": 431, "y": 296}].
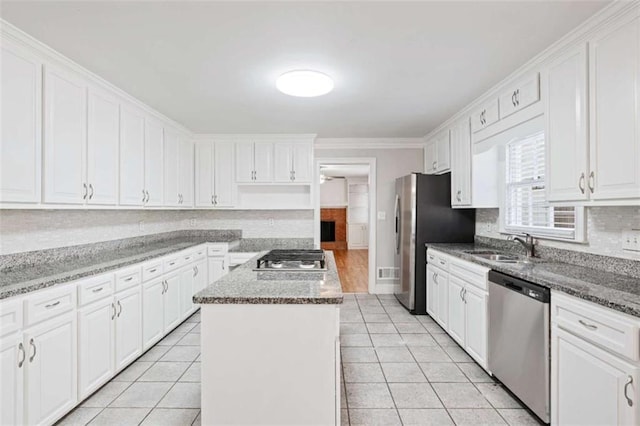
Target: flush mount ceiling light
[{"x": 304, "y": 83}]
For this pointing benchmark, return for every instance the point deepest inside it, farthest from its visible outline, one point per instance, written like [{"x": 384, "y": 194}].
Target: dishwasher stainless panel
[{"x": 519, "y": 340}]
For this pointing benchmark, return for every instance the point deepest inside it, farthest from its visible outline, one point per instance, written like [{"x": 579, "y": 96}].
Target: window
[{"x": 525, "y": 206}]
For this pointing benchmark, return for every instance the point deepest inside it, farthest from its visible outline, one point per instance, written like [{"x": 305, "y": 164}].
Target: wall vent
[{"x": 388, "y": 273}]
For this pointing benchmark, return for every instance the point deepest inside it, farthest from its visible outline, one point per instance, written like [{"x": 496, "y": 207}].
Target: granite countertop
[
  {"x": 244, "y": 286},
  {"x": 615, "y": 291},
  {"x": 38, "y": 275}
]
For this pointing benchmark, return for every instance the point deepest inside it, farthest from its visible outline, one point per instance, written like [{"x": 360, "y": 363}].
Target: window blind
[{"x": 525, "y": 205}]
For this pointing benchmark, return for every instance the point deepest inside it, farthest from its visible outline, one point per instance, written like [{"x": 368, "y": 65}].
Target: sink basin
[{"x": 497, "y": 256}]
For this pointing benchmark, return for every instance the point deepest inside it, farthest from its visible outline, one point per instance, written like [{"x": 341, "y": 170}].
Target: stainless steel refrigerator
[{"x": 423, "y": 215}]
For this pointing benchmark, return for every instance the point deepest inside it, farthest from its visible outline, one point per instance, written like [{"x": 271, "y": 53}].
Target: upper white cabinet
[
  {"x": 102, "y": 147},
  {"x": 614, "y": 101},
  {"x": 438, "y": 154},
  {"x": 21, "y": 111},
  {"x": 293, "y": 162},
  {"x": 520, "y": 96},
  {"x": 153, "y": 163},
  {"x": 214, "y": 174},
  {"x": 171, "y": 160},
  {"x": 65, "y": 137},
  {"x": 254, "y": 162},
  {"x": 461, "y": 163},
  {"x": 185, "y": 171},
  {"x": 485, "y": 116},
  {"x": 132, "y": 160},
  {"x": 564, "y": 83}
]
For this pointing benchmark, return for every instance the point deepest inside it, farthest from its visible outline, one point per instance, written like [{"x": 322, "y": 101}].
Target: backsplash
[
  {"x": 605, "y": 226},
  {"x": 26, "y": 230}
]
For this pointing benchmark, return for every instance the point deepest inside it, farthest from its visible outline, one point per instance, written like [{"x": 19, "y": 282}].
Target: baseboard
[{"x": 385, "y": 288}]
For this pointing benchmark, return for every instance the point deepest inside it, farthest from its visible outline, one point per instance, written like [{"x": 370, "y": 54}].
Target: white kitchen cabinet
[
  {"x": 485, "y": 116},
  {"x": 438, "y": 154},
  {"x": 128, "y": 327},
  {"x": 204, "y": 174},
  {"x": 432, "y": 292},
  {"x": 461, "y": 163},
  {"x": 476, "y": 327},
  {"x": 430, "y": 158},
  {"x": 95, "y": 345},
  {"x": 520, "y": 96},
  {"x": 132, "y": 157},
  {"x": 171, "y": 160},
  {"x": 187, "y": 276},
  {"x": 172, "y": 301},
  {"x": 102, "y": 147},
  {"x": 153, "y": 162},
  {"x": 590, "y": 385},
  {"x": 65, "y": 137},
  {"x": 358, "y": 237},
  {"x": 185, "y": 171},
  {"x": 152, "y": 312},
  {"x": 292, "y": 162},
  {"x": 200, "y": 277},
  {"x": 217, "y": 267},
  {"x": 21, "y": 118},
  {"x": 214, "y": 174},
  {"x": 614, "y": 105},
  {"x": 442, "y": 282},
  {"x": 51, "y": 378},
  {"x": 12, "y": 367},
  {"x": 254, "y": 162},
  {"x": 564, "y": 82},
  {"x": 457, "y": 310}
]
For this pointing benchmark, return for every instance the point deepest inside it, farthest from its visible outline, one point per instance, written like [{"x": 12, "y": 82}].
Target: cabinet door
[
  {"x": 185, "y": 172},
  {"x": 153, "y": 162},
  {"x": 430, "y": 159},
  {"x": 223, "y": 174},
  {"x": 217, "y": 267},
  {"x": 283, "y": 162},
  {"x": 443, "y": 152},
  {"x": 588, "y": 384},
  {"x": 204, "y": 173},
  {"x": 432, "y": 293},
  {"x": 442, "y": 281},
  {"x": 303, "y": 162},
  {"x": 128, "y": 327},
  {"x": 12, "y": 366},
  {"x": 21, "y": 118},
  {"x": 476, "y": 324},
  {"x": 200, "y": 278},
  {"x": 65, "y": 138},
  {"x": 457, "y": 317},
  {"x": 172, "y": 301},
  {"x": 95, "y": 346},
  {"x": 152, "y": 312},
  {"x": 102, "y": 148},
  {"x": 564, "y": 82},
  {"x": 485, "y": 116},
  {"x": 461, "y": 164},
  {"x": 187, "y": 276},
  {"x": 171, "y": 146},
  {"x": 51, "y": 378},
  {"x": 614, "y": 58},
  {"x": 132, "y": 162},
  {"x": 520, "y": 96},
  {"x": 244, "y": 162},
  {"x": 263, "y": 161}
]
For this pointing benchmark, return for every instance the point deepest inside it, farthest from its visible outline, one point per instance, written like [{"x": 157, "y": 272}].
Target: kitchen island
[{"x": 270, "y": 347}]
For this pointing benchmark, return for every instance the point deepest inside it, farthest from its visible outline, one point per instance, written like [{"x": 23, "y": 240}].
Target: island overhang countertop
[{"x": 243, "y": 286}]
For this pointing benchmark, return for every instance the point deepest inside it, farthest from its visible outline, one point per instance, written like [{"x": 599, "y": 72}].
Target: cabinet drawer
[
  {"x": 152, "y": 269},
  {"x": 605, "y": 327},
  {"x": 172, "y": 262},
  {"x": 10, "y": 316},
  {"x": 438, "y": 259},
  {"x": 95, "y": 288},
  {"x": 128, "y": 277},
  {"x": 469, "y": 272},
  {"x": 200, "y": 252},
  {"x": 240, "y": 258},
  {"x": 217, "y": 249},
  {"x": 49, "y": 303},
  {"x": 188, "y": 257},
  {"x": 485, "y": 116}
]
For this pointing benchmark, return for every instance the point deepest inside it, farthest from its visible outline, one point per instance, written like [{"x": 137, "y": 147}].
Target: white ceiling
[
  {"x": 345, "y": 170},
  {"x": 400, "y": 68}
]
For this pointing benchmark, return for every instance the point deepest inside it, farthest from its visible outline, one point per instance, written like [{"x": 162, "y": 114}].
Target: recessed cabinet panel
[
  {"x": 65, "y": 137},
  {"x": 171, "y": 197},
  {"x": 132, "y": 158},
  {"x": 457, "y": 317},
  {"x": 302, "y": 162},
  {"x": 283, "y": 162},
  {"x": 204, "y": 174},
  {"x": 172, "y": 301},
  {"x": 185, "y": 171},
  {"x": 263, "y": 161},
  {"x": 102, "y": 148},
  {"x": 12, "y": 369},
  {"x": 223, "y": 174},
  {"x": 21, "y": 118},
  {"x": 430, "y": 159},
  {"x": 152, "y": 312},
  {"x": 476, "y": 324},
  {"x": 153, "y": 163},
  {"x": 244, "y": 162},
  {"x": 95, "y": 355},
  {"x": 128, "y": 327},
  {"x": 461, "y": 164}
]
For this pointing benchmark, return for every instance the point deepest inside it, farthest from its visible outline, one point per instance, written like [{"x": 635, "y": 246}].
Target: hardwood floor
[{"x": 353, "y": 268}]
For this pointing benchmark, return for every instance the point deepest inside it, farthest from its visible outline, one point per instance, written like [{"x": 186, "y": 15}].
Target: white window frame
[{"x": 577, "y": 235}]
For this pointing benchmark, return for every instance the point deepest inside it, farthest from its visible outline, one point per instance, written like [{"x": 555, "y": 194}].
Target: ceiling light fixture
[{"x": 304, "y": 83}]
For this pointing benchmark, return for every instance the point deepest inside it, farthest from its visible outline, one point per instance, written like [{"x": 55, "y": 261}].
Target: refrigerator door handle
[{"x": 397, "y": 213}]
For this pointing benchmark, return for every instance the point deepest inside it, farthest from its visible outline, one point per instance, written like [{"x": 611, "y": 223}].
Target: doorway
[{"x": 343, "y": 216}]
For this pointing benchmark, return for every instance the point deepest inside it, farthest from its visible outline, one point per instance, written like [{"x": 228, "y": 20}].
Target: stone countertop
[
  {"x": 615, "y": 291},
  {"x": 243, "y": 286},
  {"x": 36, "y": 276}
]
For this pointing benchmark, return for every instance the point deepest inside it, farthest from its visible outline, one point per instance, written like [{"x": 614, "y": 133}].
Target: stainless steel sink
[{"x": 496, "y": 256}]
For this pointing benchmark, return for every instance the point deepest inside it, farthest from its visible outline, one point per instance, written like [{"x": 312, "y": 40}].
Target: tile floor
[{"x": 398, "y": 369}]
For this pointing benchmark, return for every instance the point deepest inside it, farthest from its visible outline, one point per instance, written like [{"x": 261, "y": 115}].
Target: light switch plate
[
  {"x": 382, "y": 215},
  {"x": 631, "y": 240}
]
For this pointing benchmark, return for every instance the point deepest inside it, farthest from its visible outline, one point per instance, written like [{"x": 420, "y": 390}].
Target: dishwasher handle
[{"x": 526, "y": 288}]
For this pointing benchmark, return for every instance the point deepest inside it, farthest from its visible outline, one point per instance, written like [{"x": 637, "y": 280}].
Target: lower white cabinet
[
  {"x": 437, "y": 297},
  {"x": 171, "y": 301},
  {"x": 95, "y": 351},
  {"x": 476, "y": 326},
  {"x": 218, "y": 266},
  {"x": 51, "y": 369},
  {"x": 358, "y": 235},
  {"x": 200, "y": 277},
  {"x": 128, "y": 327},
  {"x": 457, "y": 315},
  {"x": 152, "y": 312},
  {"x": 12, "y": 372},
  {"x": 187, "y": 276}
]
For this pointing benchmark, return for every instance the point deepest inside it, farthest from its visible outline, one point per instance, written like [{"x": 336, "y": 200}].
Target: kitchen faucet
[{"x": 528, "y": 243}]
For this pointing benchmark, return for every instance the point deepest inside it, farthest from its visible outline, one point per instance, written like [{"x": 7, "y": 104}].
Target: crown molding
[
  {"x": 369, "y": 143},
  {"x": 302, "y": 137},
  {"x": 49, "y": 56},
  {"x": 580, "y": 34}
]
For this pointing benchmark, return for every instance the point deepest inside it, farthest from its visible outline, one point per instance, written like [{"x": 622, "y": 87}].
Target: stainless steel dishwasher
[{"x": 519, "y": 339}]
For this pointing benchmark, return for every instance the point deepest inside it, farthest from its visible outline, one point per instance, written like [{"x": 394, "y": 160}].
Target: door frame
[{"x": 371, "y": 162}]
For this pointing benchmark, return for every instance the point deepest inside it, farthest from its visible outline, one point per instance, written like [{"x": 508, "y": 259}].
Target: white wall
[
  {"x": 390, "y": 164},
  {"x": 605, "y": 226},
  {"x": 25, "y": 230},
  {"x": 333, "y": 193}
]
